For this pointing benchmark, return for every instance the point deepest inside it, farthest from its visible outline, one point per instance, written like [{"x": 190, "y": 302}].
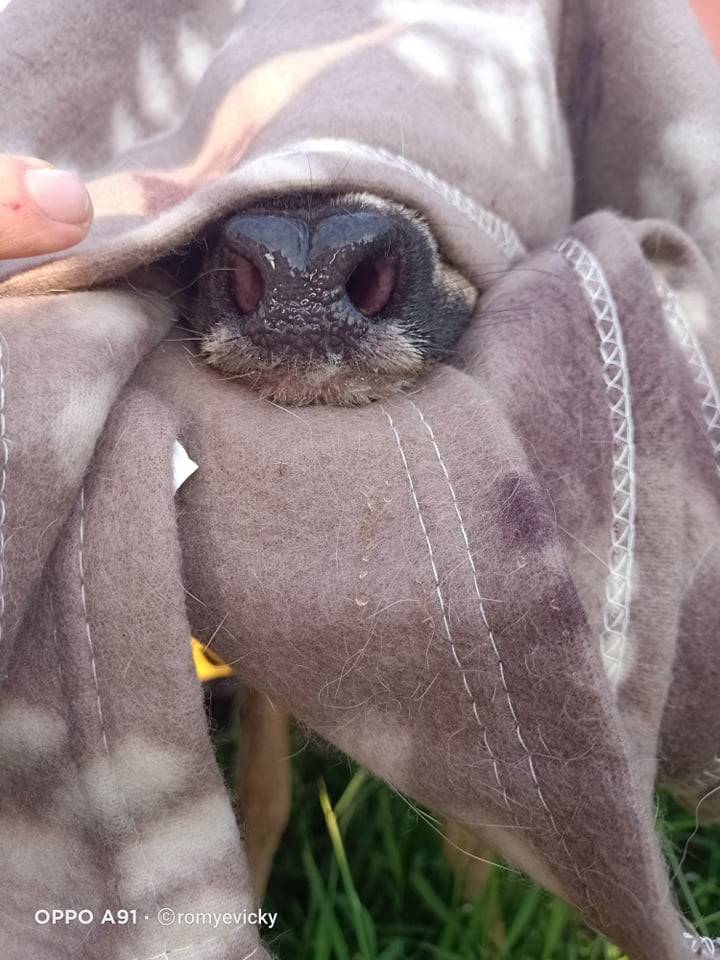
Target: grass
[{"x": 361, "y": 876}]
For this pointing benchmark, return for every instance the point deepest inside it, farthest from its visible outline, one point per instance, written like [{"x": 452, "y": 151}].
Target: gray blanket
[{"x": 499, "y": 591}]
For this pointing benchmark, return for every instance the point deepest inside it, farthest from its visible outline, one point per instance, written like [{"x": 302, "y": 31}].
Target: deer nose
[{"x": 302, "y": 282}]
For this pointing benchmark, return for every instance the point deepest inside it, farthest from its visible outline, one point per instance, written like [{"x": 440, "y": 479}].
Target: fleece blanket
[{"x": 498, "y": 591}]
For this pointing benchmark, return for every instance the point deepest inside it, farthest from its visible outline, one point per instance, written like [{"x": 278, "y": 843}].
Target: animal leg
[{"x": 263, "y": 784}]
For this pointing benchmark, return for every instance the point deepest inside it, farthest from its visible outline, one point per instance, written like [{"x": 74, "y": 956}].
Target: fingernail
[{"x": 60, "y": 195}]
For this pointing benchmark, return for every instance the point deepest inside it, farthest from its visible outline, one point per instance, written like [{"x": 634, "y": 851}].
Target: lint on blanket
[{"x": 534, "y": 528}]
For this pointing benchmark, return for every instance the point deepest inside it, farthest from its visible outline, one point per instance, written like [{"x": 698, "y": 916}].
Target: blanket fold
[{"x": 496, "y": 591}]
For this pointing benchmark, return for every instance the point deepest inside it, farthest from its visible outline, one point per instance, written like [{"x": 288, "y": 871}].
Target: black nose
[{"x": 303, "y": 284}]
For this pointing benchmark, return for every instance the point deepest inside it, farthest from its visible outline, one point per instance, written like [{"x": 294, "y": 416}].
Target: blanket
[{"x": 497, "y": 591}]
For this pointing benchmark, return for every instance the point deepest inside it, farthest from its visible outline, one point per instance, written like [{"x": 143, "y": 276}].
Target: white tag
[{"x": 182, "y": 466}]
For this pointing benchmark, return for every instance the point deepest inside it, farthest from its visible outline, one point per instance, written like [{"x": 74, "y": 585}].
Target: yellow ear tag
[{"x": 208, "y": 665}]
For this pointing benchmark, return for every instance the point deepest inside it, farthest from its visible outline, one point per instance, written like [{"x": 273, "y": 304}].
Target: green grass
[{"x": 361, "y": 876}]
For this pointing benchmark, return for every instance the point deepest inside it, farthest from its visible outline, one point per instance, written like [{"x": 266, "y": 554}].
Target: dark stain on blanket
[
  {"x": 526, "y": 517},
  {"x": 160, "y": 194}
]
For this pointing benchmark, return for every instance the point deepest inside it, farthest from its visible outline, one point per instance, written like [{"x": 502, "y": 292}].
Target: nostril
[
  {"x": 371, "y": 284},
  {"x": 248, "y": 284}
]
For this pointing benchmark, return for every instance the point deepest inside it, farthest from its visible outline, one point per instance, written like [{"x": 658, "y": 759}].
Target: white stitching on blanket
[
  {"x": 701, "y": 946},
  {"x": 499, "y": 230},
  {"x": 482, "y": 606},
  {"x": 488, "y": 628},
  {"x": 703, "y": 375},
  {"x": 622, "y": 530},
  {"x": 101, "y": 718},
  {"x": 710, "y": 404},
  {"x": 3, "y": 482},
  {"x": 88, "y": 632},
  {"x": 441, "y": 600}
]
